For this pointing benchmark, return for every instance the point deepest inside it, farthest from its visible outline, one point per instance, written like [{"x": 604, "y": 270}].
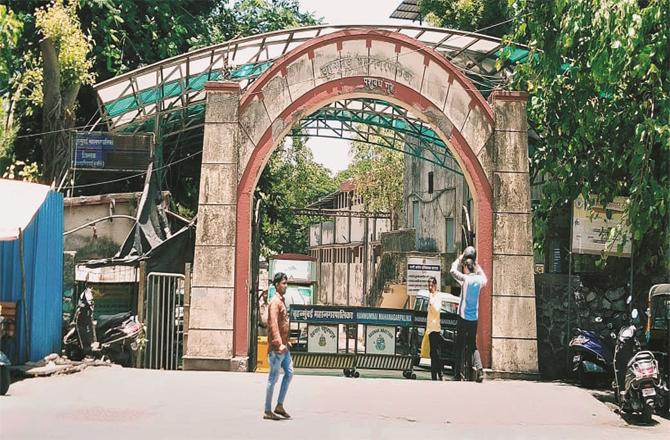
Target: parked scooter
[
  {"x": 591, "y": 358},
  {"x": 5, "y": 380},
  {"x": 111, "y": 336},
  {"x": 637, "y": 382},
  {"x": 591, "y": 355}
]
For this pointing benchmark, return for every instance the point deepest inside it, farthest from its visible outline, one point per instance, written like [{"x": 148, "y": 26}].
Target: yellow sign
[{"x": 599, "y": 230}]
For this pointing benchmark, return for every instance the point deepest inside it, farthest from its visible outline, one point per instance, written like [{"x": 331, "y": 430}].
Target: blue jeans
[{"x": 278, "y": 361}]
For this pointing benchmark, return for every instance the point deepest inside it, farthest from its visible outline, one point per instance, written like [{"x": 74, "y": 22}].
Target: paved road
[{"x": 117, "y": 403}]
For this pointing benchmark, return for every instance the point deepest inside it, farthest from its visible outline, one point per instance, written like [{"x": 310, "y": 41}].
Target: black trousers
[
  {"x": 435, "y": 339},
  {"x": 466, "y": 344}
]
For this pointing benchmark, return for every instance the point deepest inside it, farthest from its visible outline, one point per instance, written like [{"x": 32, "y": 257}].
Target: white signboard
[
  {"x": 322, "y": 338},
  {"x": 380, "y": 340},
  {"x": 295, "y": 270},
  {"x": 419, "y": 270},
  {"x": 593, "y": 228}
]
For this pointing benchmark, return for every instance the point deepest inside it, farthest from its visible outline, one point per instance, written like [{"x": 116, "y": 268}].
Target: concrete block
[
  {"x": 214, "y": 266},
  {"x": 457, "y": 105},
  {"x": 300, "y": 76},
  {"x": 210, "y": 344},
  {"x": 354, "y": 58},
  {"x": 218, "y": 184},
  {"x": 254, "y": 119},
  {"x": 435, "y": 84},
  {"x": 511, "y": 192},
  {"x": 412, "y": 70},
  {"x": 222, "y": 106},
  {"x": 485, "y": 157},
  {"x": 384, "y": 60},
  {"x": 276, "y": 96},
  {"x": 513, "y": 275},
  {"x": 512, "y": 234},
  {"x": 211, "y": 308},
  {"x": 326, "y": 64},
  {"x": 216, "y": 225},
  {"x": 514, "y": 355},
  {"x": 510, "y": 115},
  {"x": 511, "y": 151},
  {"x": 220, "y": 143},
  {"x": 477, "y": 129},
  {"x": 514, "y": 317}
]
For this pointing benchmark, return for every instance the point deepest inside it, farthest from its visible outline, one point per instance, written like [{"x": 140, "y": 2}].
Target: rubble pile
[{"x": 54, "y": 364}]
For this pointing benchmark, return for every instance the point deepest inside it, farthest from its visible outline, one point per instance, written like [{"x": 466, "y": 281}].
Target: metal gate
[{"x": 164, "y": 320}]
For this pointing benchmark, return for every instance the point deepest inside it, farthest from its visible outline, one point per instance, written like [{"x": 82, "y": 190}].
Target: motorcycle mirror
[
  {"x": 612, "y": 335},
  {"x": 634, "y": 314},
  {"x": 598, "y": 319},
  {"x": 629, "y": 299}
]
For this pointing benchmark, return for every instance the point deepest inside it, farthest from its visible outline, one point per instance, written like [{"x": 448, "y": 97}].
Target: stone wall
[{"x": 601, "y": 309}]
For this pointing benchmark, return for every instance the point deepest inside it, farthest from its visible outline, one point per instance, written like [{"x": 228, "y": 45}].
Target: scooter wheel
[
  {"x": 346, "y": 372},
  {"x": 357, "y": 374},
  {"x": 5, "y": 380},
  {"x": 412, "y": 376},
  {"x": 647, "y": 411}
]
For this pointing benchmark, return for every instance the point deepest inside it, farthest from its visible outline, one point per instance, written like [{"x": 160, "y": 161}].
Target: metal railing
[{"x": 164, "y": 320}]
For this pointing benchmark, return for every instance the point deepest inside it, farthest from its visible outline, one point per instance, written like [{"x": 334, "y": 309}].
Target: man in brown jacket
[{"x": 278, "y": 355}]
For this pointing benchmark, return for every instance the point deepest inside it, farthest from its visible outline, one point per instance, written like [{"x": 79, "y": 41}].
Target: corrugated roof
[{"x": 407, "y": 10}]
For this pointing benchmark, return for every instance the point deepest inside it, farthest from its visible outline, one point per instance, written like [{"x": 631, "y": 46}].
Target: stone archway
[{"x": 241, "y": 132}]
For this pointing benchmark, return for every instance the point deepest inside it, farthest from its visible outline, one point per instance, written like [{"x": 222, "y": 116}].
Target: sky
[{"x": 334, "y": 153}]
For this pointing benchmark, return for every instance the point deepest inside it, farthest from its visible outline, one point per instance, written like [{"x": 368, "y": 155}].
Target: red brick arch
[{"x": 347, "y": 86}]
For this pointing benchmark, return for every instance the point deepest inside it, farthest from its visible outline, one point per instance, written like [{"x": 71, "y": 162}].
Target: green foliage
[
  {"x": 468, "y": 15},
  {"x": 599, "y": 79},
  {"x": 378, "y": 177},
  {"x": 59, "y": 22},
  {"x": 291, "y": 179},
  {"x": 250, "y": 17},
  {"x": 10, "y": 30}
]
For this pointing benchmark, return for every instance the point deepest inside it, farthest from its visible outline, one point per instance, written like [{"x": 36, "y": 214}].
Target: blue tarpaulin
[{"x": 32, "y": 216}]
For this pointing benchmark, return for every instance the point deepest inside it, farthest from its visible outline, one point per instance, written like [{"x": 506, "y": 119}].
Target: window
[
  {"x": 449, "y": 241},
  {"x": 430, "y": 182}
]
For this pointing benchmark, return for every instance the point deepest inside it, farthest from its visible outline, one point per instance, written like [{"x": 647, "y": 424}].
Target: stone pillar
[
  {"x": 514, "y": 328},
  {"x": 210, "y": 333}
]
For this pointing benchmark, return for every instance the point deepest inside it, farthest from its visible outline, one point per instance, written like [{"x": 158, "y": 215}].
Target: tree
[
  {"x": 291, "y": 179},
  {"x": 599, "y": 78},
  {"x": 10, "y": 30},
  {"x": 377, "y": 173},
  {"x": 66, "y": 65},
  {"x": 489, "y": 16}
]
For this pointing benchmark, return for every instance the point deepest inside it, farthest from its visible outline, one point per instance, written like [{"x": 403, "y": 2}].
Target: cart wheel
[
  {"x": 413, "y": 376},
  {"x": 357, "y": 374}
]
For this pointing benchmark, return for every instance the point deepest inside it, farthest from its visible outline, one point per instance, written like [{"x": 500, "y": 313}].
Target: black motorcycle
[
  {"x": 637, "y": 382},
  {"x": 110, "y": 336}
]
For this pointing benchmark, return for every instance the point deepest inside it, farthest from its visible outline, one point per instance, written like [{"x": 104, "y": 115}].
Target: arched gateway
[{"x": 489, "y": 141}]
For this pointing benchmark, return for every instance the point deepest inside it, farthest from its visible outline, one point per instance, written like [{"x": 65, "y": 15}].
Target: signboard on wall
[
  {"x": 593, "y": 228},
  {"x": 104, "y": 151},
  {"x": 380, "y": 340},
  {"x": 419, "y": 270},
  {"x": 301, "y": 271},
  {"x": 322, "y": 338}
]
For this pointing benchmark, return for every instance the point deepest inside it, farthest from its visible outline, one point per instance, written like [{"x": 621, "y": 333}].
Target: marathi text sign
[
  {"x": 351, "y": 315},
  {"x": 322, "y": 338},
  {"x": 380, "y": 340},
  {"x": 107, "y": 151},
  {"x": 598, "y": 230},
  {"x": 419, "y": 271}
]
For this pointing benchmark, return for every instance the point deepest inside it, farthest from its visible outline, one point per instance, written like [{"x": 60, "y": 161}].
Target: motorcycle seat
[{"x": 106, "y": 322}]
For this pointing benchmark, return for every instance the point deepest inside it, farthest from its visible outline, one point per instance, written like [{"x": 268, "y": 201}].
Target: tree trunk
[{"x": 58, "y": 114}]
